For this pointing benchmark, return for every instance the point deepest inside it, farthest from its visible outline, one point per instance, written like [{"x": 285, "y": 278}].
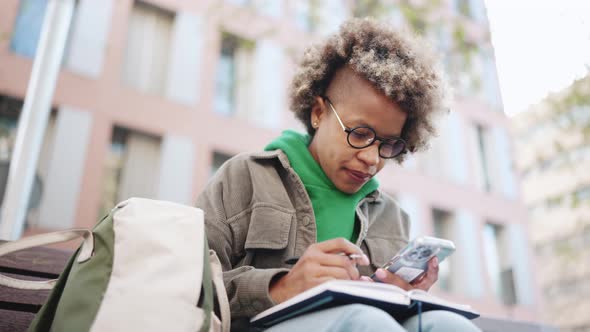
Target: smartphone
[{"x": 412, "y": 261}]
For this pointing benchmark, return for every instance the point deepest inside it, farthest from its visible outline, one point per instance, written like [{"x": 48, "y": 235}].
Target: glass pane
[
  {"x": 225, "y": 85},
  {"x": 113, "y": 168},
  {"x": 148, "y": 46},
  {"x": 218, "y": 160},
  {"x": 491, "y": 250},
  {"x": 442, "y": 224},
  {"x": 27, "y": 29}
]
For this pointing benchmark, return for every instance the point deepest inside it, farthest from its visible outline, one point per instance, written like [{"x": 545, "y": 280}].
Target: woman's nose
[{"x": 370, "y": 154}]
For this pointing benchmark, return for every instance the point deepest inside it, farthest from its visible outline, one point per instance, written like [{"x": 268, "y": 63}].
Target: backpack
[{"x": 146, "y": 266}]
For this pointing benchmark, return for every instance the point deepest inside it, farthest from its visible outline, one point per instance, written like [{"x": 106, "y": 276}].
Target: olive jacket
[{"x": 258, "y": 214}]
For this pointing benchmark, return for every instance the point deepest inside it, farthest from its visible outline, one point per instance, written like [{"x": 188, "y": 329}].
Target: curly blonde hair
[{"x": 397, "y": 64}]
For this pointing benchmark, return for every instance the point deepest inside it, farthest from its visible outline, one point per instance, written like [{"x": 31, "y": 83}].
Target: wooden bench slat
[
  {"x": 20, "y": 307},
  {"x": 15, "y": 321},
  {"x": 13, "y": 298},
  {"x": 21, "y": 297},
  {"x": 17, "y": 306},
  {"x": 25, "y": 272},
  {"x": 40, "y": 260}
]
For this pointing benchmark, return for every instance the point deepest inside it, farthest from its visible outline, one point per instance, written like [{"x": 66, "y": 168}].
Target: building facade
[
  {"x": 553, "y": 144},
  {"x": 154, "y": 95}
]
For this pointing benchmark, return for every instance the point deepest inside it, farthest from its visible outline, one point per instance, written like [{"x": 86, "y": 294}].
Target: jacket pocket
[
  {"x": 381, "y": 250},
  {"x": 269, "y": 228}
]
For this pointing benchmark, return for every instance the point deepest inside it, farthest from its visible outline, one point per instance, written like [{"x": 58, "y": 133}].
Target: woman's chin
[{"x": 348, "y": 188}]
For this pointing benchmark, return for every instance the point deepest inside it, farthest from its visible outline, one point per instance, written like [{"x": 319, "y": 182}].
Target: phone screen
[{"x": 412, "y": 261}]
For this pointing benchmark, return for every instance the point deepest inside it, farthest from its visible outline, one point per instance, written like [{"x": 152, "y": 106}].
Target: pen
[{"x": 293, "y": 260}]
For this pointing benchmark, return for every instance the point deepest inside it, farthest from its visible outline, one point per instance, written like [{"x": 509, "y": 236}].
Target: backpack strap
[
  {"x": 220, "y": 291},
  {"x": 207, "y": 303},
  {"x": 213, "y": 280},
  {"x": 42, "y": 240}
]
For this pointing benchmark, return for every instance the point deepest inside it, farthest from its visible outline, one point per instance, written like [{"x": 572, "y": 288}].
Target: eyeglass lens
[{"x": 362, "y": 137}]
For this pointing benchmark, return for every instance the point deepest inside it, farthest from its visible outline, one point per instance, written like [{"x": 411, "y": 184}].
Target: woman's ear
[{"x": 318, "y": 111}]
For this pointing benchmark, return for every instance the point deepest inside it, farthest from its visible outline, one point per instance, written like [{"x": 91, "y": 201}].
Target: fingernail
[
  {"x": 380, "y": 273},
  {"x": 365, "y": 278},
  {"x": 366, "y": 259},
  {"x": 435, "y": 261}
]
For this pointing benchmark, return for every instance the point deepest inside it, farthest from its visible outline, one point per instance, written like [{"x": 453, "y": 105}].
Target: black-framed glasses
[{"x": 363, "y": 136}]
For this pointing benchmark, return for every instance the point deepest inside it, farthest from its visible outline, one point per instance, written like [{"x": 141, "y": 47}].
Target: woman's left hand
[{"x": 424, "y": 282}]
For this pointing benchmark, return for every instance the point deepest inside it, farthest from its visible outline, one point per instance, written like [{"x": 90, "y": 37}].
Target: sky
[{"x": 541, "y": 46}]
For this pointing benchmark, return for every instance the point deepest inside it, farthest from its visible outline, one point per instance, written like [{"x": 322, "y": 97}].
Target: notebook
[{"x": 397, "y": 302}]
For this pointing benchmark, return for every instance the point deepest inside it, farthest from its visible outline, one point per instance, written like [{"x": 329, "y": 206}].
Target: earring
[{"x": 315, "y": 124}]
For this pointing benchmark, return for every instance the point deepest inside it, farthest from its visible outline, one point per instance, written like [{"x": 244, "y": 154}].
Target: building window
[
  {"x": 463, "y": 7},
  {"x": 472, "y": 9},
  {"x": 371, "y": 8},
  {"x": 9, "y": 112},
  {"x": 10, "y": 109},
  {"x": 271, "y": 8},
  {"x": 582, "y": 194},
  {"x": 498, "y": 263},
  {"x": 234, "y": 76},
  {"x": 434, "y": 161},
  {"x": 441, "y": 35},
  {"x": 148, "y": 45},
  {"x": 306, "y": 14},
  {"x": 443, "y": 226},
  {"x": 483, "y": 156},
  {"x": 226, "y": 76},
  {"x": 218, "y": 160},
  {"x": 27, "y": 28},
  {"x": 413, "y": 207},
  {"x": 132, "y": 167},
  {"x": 240, "y": 2},
  {"x": 113, "y": 167},
  {"x": 491, "y": 88},
  {"x": 445, "y": 158}
]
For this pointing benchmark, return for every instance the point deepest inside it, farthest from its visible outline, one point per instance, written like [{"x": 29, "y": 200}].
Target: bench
[{"x": 18, "y": 307}]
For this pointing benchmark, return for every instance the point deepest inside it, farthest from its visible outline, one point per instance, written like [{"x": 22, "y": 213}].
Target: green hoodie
[{"x": 334, "y": 210}]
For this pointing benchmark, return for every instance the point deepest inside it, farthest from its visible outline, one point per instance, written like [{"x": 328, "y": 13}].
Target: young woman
[{"x": 367, "y": 96}]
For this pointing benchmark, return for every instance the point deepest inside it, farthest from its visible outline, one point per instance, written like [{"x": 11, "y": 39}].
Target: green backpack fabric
[{"x": 145, "y": 267}]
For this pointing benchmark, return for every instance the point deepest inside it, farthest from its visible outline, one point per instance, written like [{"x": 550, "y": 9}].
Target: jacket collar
[{"x": 373, "y": 197}]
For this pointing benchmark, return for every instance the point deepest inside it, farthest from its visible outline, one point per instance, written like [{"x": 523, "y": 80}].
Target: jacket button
[{"x": 306, "y": 220}]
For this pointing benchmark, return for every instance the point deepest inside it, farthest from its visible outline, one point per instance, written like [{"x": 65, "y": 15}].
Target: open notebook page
[{"x": 377, "y": 291}]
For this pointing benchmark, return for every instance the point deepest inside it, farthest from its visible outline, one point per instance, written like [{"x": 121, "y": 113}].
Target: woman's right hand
[{"x": 320, "y": 262}]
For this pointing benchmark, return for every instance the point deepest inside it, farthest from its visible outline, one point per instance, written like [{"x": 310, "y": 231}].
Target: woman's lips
[{"x": 359, "y": 177}]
